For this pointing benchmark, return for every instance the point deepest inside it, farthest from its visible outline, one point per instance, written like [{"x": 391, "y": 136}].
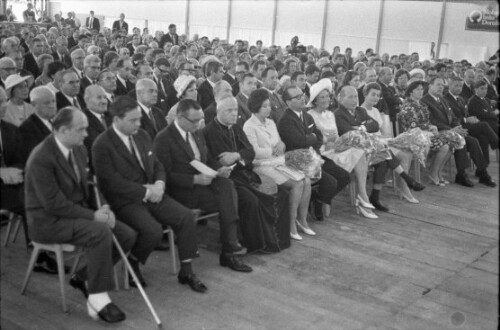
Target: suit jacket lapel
[
  {"x": 121, "y": 147},
  {"x": 180, "y": 140},
  {"x": 63, "y": 162}
]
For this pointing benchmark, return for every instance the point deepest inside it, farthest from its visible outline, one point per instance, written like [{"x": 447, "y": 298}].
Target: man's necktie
[
  {"x": 103, "y": 122},
  {"x": 153, "y": 120},
  {"x": 75, "y": 103},
  {"x": 193, "y": 146},
  {"x": 135, "y": 152},
  {"x": 73, "y": 166},
  {"x": 91, "y": 25}
]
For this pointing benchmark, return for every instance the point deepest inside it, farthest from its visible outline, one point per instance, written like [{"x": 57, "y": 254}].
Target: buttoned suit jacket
[
  {"x": 297, "y": 134},
  {"x": 175, "y": 154},
  {"x": 120, "y": 176},
  {"x": 121, "y": 89},
  {"x": 482, "y": 110},
  {"x": 440, "y": 115},
  {"x": 53, "y": 192}
]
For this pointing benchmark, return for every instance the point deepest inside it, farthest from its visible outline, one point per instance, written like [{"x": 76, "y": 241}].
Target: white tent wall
[{"x": 406, "y": 25}]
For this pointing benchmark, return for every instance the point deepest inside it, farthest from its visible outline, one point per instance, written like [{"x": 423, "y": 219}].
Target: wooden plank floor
[{"x": 427, "y": 266}]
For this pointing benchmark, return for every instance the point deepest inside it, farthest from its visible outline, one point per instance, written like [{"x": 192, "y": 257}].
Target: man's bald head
[
  {"x": 44, "y": 102},
  {"x": 348, "y": 97}
]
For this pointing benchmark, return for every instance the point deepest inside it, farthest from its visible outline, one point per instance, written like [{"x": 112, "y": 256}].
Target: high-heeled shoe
[
  {"x": 366, "y": 205},
  {"x": 443, "y": 181},
  {"x": 409, "y": 199},
  {"x": 305, "y": 230},
  {"x": 435, "y": 182},
  {"x": 367, "y": 213},
  {"x": 296, "y": 237}
]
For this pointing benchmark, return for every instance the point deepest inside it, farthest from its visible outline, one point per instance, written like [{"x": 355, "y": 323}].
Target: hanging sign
[{"x": 482, "y": 20}]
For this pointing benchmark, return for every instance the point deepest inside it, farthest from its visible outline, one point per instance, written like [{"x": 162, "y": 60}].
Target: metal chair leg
[
  {"x": 9, "y": 228},
  {"x": 173, "y": 254},
  {"x": 31, "y": 265},
  {"x": 60, "y": 270}
]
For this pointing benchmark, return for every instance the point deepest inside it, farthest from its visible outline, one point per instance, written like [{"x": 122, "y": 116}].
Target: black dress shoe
[
  {"x": 486, "y": 180},
  {"x": 193, "y": 282},
  {"x": 379, "y": 206},
  {"x": 463, "y": 180},
  {"x": 111, "y": 313},
  {"x": 137, "y": 271},
  {"x": 234, "y": 263},
  {"x": 45, "y": 264},
  {"x": 76, "y": 282}
]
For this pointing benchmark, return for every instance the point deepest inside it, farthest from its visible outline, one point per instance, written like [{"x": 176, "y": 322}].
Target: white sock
[{"x": 99, "y": 300}]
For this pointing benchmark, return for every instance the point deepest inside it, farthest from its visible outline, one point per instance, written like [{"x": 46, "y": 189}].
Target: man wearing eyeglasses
[
  {"x": 163, "y": 80},
  {"x": 176, "y": 147}
]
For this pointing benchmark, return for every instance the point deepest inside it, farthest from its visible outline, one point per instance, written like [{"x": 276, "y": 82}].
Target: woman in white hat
[
  {"x": 352, "y": 160},
  {"x": 17, "y": 91},
  {"x": 185, "y": 86}
]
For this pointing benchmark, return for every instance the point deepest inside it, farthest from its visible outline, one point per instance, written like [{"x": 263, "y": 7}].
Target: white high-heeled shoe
[
  {"x": 296, "y": 237},
  {"x": 366, "y": 205},
  {"x": 367, "y": 213},
  {"x": 305, "y": 230},
  {"x": 92, "y": 312},
  {"x": 409, "y": 199}
]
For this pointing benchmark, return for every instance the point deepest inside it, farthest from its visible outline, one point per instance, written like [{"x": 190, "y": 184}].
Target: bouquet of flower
[
  {"x": 306, "y": 161},
  {"x": 454, "y": 137},
  {"x": 415, "y": 141},
  {"x": 376, "y": 150}
]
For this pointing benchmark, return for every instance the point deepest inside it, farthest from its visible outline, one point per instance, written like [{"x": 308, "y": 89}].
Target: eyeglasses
[{"x": 195, "y": 121}]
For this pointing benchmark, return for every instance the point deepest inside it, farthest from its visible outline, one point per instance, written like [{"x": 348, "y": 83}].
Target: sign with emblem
[{"x": 482, "y": 20}]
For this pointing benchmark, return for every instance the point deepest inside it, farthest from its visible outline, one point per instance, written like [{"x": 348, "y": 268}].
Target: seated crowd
[{"x": 168, "y": 125}]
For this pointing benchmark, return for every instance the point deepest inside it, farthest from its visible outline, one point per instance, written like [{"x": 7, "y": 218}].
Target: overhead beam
[
  {"x": 441, "y": 28},
  {"x": 325, "y": 16},
  {"x": 186, "y": 24},
  {"x": 229, "y": 16},
  {"x": 275, "y": 18},
  {"x": 379, "y": 28}
]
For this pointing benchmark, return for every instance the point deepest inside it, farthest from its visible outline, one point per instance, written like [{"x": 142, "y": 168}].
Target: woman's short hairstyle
[
  {"x": 256, "y": 99},
  {"x": 411, "y": 87},
  {"x": 401, "y": 72},
  {"x": 371, "y": 86}
]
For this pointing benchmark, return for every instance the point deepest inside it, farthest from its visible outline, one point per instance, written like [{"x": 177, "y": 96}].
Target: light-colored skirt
[{"x": 346, "y": 159}]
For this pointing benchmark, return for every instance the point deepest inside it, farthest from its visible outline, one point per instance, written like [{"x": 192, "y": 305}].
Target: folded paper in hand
[{"x": 202, "y": 168}]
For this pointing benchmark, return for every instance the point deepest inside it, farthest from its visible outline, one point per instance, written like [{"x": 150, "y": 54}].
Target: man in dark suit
[
  {"x": 312, "y": 76},
  {"x": 123, "y": 84},
  {"x": 492, "y": 93},
  {"x": 69, "y": 91},
  {"x": 480, "y": 106},
  {"x": 171, "y": 36},
  {"x": 443, "y": 118},
  {"x": 270, "y": 81},
  {"x": 91, "y": 69},
  {"x": 97, "y": 114},
  {"x": 298, "y": 131},
  {"x": 468, "y": 88},
  {"x": 248, "y": 84},
  {"x": 30, "y": 63},
  {"x": 136, "y": 41},
  {"x": 230, "y": 75},
  {"x": 37, "y": 126},
  {"x": 152, "y": 120},
  {"x": 120, "y": 24},
  {"x": 77, "y": 59},
  {"x": 214, "y": 72},
  {"x": 176, "y": 147},
  {"x": 476, "y": 128},
  {"x": 61, "y": 54},
  {"x": 58, "y": 211},
  {"x": 388, "y": 95},
  {"x": 133, "y": 181},
  {"x": 163, "y": 80},
  {"x": 92, "y": 23}
]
